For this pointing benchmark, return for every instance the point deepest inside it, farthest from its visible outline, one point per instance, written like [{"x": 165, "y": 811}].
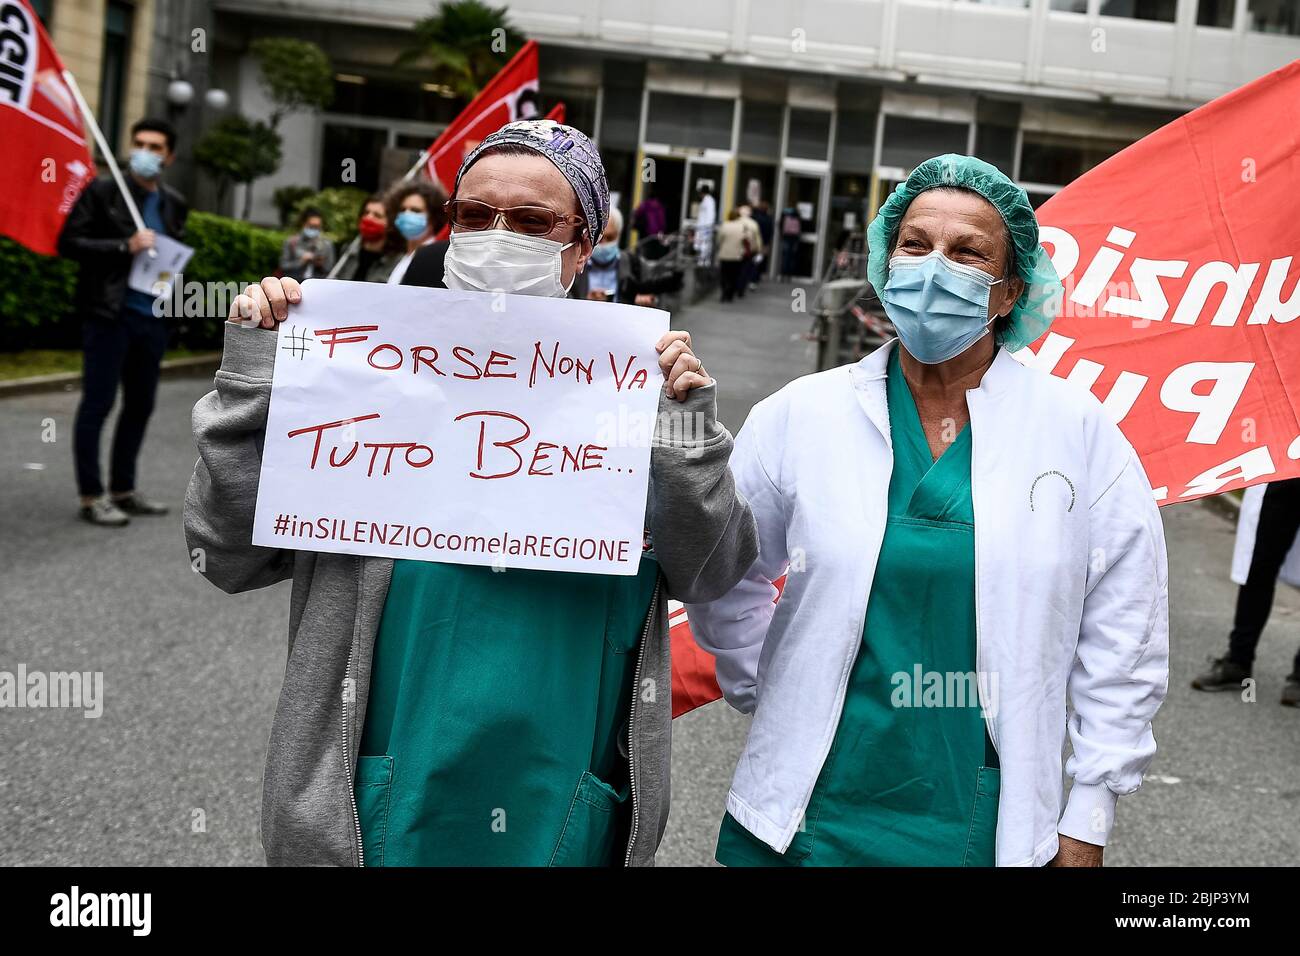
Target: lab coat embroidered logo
[{"x": 1052, "y": 474}]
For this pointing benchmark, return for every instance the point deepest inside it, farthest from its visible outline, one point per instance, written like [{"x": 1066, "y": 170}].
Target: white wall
[{"x": 942, "y": 41}]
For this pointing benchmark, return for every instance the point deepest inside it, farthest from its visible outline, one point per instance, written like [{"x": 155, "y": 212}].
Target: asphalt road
[{"x": 171, "y": 773}]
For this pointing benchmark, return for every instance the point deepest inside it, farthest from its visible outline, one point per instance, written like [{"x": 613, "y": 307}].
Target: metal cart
[{"x": 848, "y": 320}]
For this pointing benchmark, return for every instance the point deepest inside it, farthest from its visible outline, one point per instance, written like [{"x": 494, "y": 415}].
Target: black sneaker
[
  {"x": 133, "y": 504},
  {"x": 1291, "y": 691},
  {"x": 1223, "y": 674},
  {"x": 103, "y": 512}
]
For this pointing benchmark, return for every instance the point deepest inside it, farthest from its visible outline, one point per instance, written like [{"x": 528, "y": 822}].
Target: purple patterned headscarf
[{"x": 570, "y": 150}]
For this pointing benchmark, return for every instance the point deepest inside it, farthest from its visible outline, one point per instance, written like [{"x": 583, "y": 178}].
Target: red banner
[
  {"x": 1180, "y": 289},
  {"x": 46, "y": 158},
  {"x": 510, "y": 95}
]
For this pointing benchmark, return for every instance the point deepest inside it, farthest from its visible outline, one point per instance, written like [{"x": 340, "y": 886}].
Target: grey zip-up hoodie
[{"x": 704, "y": 538}]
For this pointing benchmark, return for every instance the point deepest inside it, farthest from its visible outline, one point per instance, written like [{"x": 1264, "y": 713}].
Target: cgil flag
[
  {"x": 1181, "y": 299},
  {"x": 47, "y": 159}
]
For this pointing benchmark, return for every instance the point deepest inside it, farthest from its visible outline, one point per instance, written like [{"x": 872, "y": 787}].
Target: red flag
[
  {"x": 557, "y": 112},
  {"x": 1182, "y": 290},
  {"x": 47, "y": 161},
  {"x": 510, "y": 95}
]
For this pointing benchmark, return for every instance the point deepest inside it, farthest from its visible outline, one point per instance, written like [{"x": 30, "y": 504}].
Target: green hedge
[{"x": 36, "y": 294}]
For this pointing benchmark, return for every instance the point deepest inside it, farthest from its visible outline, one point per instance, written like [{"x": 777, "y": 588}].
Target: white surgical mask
[{"x": 498, "y": 260}]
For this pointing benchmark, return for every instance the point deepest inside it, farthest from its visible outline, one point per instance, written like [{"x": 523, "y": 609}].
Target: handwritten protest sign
[{"x": 466, "y": 427}]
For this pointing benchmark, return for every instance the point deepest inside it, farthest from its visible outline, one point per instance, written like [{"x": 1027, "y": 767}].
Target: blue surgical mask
[
  {"x": 940, "y": 308},
  {"x": 145, "y": 164},
  {"x": 411, "y": 224},
  {"x": 605, "y": 254},
  {"x": 310, "y": 232}
]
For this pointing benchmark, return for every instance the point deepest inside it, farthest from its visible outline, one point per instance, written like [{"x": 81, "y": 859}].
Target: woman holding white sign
[
  {"x": 444, "y": 713},
  {"x": 969, "y": 545}
]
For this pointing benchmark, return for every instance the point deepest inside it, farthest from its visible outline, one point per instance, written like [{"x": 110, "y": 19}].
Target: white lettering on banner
[
  {"x": 1145, "y": 296},
  {"x": 19, "y": 50},
  {"x": 1212, "y": 409},
  {"x": 463, "y": 427},
  {"x": 1210, "y": 294},
  {"x": 1247, "y": 466},
  {"x": 1269, "y": 305}
]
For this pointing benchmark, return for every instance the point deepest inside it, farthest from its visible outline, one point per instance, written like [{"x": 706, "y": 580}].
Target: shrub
[
  {"x": 286, "y": 200},
  {"x": 339, "y": 205},
  {"x": 36, "y": 297}
]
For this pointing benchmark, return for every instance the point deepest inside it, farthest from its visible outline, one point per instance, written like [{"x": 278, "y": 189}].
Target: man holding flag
[{"x": 123, "y": 339}]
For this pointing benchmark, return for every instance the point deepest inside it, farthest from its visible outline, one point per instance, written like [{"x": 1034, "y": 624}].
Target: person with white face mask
[
  {"x": 124, "y": 337},
  {"x": 976, "y": 567},
  {"x": 507, "y": 718}
]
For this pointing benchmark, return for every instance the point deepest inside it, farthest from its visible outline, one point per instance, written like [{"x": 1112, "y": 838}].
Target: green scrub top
[
  {"x": 496, "y": 726},
  {"x": 911, "y": 778}
]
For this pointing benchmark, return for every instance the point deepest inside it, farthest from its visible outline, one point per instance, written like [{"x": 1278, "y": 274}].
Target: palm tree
[{"x": 465, "y": 42}]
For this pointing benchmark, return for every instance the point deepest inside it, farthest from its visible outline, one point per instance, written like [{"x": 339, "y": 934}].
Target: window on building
[
  {"x": 855, "y": 133},
  {"x": 810, "y": 134},
  {"x": 1275, "y": 16},
  {"x": 760, "y": 129},
  {"x": 620, "y": 116},
  {"x": 996, "y": 125},
  {"x": 45, "y": 10},
  {"x": 398, "y": 99},
  {"x": 700, "y": 122},
  {"x": 1010, "y": 4},
  {"x": 622, "y": 86},
  {"x": 579, "y": 104},
  {"x": 363, "y": 145},
  {"x": 1215, "y": 13},
  {"x": 1164, "y": 10},
  {"x": 118, "y": 18},
  {"x": 1070, "y": 6},
  {"x": 908, "y": 141},
  {"x": 1055, "y": 160}
]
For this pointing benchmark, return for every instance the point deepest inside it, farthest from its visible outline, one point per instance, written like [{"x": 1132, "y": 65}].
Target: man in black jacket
[{"x": 122, "y": 337}]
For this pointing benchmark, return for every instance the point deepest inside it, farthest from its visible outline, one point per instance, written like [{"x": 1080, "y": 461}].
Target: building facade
[{"x": 816, "y": 105}]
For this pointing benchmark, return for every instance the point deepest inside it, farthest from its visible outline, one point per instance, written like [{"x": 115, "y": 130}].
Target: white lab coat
[
  {"x": 1243, "y": 551},
  {"x": 1071, "y": 596}
]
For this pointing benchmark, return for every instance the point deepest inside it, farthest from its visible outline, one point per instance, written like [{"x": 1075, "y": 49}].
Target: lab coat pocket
[
  {"x": 591, "y": 828},
  {"x": 981, "y": 838},
  {"x": 374, "y": 796}
]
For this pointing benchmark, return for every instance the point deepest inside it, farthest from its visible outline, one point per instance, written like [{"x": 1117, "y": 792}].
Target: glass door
[{"x": 803, "y": 194}]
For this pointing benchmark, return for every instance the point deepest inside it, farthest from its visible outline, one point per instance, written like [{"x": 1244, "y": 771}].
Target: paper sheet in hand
[
  {"x": 465, "y": 427},
  {"x": 155, "y": 275}
]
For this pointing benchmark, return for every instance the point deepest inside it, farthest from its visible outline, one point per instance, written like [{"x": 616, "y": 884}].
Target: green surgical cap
[{"x": 1039, "y": 304}]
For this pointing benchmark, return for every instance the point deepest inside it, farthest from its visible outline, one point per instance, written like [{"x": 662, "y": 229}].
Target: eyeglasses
[{"x": 528, "y": 220}]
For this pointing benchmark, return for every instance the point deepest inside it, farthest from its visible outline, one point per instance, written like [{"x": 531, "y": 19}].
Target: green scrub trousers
[
  {"x": 911, "y": 778},
  {"x": 495, "y": 732}
]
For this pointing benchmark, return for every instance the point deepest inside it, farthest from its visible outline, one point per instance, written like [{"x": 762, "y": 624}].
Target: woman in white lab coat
[{"x": 974, "y": 566}]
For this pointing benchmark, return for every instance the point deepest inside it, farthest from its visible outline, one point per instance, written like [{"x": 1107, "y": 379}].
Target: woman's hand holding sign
[
  {"x": 266, "y": 304},
  {"x": 681, "y": 367}
]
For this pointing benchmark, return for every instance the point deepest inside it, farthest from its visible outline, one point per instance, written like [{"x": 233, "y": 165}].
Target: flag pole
[
  {"x": 107, "y": 153},
  {"x": 356, "y": 240}
]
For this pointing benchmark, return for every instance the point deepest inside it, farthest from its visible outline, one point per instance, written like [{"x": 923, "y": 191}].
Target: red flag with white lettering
[
  {"x": 47, "y": 160},
  {"x": 510, "y": 95},
  {"x": 1181, "y": 291}
]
